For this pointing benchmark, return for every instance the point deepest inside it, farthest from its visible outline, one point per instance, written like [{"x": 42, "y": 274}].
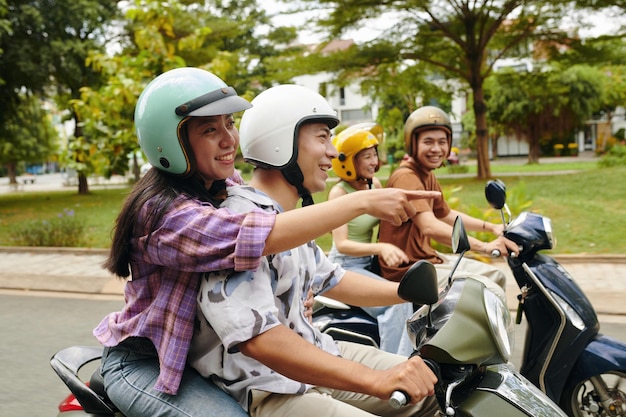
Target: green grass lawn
[{"x": 588, "y": 209}]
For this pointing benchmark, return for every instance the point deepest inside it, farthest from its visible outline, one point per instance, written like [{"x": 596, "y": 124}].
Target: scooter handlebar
[
  {"x": 496, "y": 254},
  {"x": 398, "y": 399}
]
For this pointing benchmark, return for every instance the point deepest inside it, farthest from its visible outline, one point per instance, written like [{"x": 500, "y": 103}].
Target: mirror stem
[
  {"x": 456, "y": 264},
  {"x": 508, "y": 212},
  {"x": 430, "y": 329}
]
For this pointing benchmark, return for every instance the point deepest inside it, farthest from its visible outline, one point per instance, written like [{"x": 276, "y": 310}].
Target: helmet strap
[
  {"x": 293, "y": 175},
  {"x": 187, "y": 149}
]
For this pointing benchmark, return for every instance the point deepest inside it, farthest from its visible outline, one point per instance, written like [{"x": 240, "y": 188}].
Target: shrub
[
  {"x": 65, "y": 230},
  {"x": 457, "y": 169},
  {"x": 614, "y": 157}
]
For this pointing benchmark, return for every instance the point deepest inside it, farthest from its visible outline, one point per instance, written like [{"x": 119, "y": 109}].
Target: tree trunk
[
  {"x": 533, "y": 144},
  {"x": 533, "y": 151},
  {"x": 12, "y": 173},
  {"x": 482, "y": 137},
  {"x": 83, "y": 185},
  {"x": 136, "y": 172}
]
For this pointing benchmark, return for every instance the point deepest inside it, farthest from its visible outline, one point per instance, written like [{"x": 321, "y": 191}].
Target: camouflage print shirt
[{"x": 237, "y": 306}]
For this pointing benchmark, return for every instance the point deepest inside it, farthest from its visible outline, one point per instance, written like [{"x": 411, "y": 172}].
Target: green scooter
[{"x": 464, "y": 334}]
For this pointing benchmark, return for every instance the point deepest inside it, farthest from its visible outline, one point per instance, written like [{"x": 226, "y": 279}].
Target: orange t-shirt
[{"x": 407, "y": 236}]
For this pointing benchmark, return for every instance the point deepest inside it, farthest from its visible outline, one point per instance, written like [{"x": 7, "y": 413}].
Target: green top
[{"x": 360, "y": 229}]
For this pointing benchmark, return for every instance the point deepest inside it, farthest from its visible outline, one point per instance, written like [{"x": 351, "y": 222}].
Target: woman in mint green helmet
[{"x": 170, "y": 232}]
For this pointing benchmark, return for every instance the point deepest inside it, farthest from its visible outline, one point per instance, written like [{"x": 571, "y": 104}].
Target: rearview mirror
[
  {"x": 419, "y": 284},
  {"x": 460, "y": 242},
  {"x": 495, "y": 192}
]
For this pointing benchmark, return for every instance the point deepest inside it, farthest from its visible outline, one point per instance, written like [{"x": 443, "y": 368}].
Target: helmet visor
[{"x": 222, "y": 101}]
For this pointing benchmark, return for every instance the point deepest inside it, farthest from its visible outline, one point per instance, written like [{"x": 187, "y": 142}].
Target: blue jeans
[{"x": 130, "y": 371}]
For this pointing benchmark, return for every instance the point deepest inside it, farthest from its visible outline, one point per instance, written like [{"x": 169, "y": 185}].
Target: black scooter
[{"x": 564, "y": 353}]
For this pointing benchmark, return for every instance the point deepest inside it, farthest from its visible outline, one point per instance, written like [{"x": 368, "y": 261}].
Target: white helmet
[{"x": 269, "y": 130}]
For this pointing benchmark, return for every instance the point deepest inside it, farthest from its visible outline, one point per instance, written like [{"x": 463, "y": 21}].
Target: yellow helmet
[{"x": 350, "y": 142}]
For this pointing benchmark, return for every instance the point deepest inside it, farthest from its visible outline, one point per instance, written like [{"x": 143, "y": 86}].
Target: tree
[
  {"x": 27, "y": 136},
  {"x": 546, "y": 105},
  {"x": 159, "y": 36},
  {"x": 45, "y": 50},
  {"x": 461, "y": 39}
]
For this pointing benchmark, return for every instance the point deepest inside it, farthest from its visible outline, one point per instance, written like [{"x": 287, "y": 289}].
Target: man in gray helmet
[
  {"x": 428, "y": 139},
  {"x": 254, "y": 338}
]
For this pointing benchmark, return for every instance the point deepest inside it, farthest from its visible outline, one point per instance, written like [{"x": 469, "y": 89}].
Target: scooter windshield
[{"x": 417, "y": 326}]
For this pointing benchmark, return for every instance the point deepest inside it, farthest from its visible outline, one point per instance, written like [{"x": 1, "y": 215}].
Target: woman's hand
[
  {"x": 392, "y": 255},
  {"x": 308, "y": 305}
]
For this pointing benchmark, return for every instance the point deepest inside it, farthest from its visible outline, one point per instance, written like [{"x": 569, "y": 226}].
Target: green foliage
[
  {"x": 614, "y": 157},
  {"x": 28, "y": 134},
  {"x": 159, "y": 36},
  {"x": 65, "y": 230},
  {"x": 243, "y": 167},
  {"x": 543, "y": 106}
]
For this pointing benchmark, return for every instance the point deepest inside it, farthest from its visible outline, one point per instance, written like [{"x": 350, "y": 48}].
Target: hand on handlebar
[
  {"x": 413, "y": 380},
  {"x": 502, "y": 247}
]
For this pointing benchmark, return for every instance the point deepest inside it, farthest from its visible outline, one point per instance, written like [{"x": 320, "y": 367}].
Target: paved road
[{"x": 36, "y": 325}]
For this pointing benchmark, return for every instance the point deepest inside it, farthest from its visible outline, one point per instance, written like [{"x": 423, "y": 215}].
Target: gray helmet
[
  {"x": 166, "y": 104},
  {"x": 269, "y": 130},
  {"x": 426, "y": 118}
]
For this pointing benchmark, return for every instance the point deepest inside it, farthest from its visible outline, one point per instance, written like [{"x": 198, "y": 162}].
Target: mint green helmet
[{"x": 166, "y": 104}]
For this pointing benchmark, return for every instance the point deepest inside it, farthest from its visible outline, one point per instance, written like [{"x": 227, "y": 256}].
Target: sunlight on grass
[{"x": 587, "y": 208}]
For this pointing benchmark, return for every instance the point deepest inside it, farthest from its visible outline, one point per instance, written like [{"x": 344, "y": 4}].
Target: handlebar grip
[
  {"x": 495, "y": 253},
  {"x": 398, "y": 399}
]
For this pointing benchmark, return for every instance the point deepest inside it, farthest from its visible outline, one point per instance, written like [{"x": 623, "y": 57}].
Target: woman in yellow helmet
[{"x": 354, "y": 244}]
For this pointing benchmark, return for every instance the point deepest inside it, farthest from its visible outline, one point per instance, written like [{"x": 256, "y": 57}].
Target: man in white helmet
[{"x": 254, "y": 338}]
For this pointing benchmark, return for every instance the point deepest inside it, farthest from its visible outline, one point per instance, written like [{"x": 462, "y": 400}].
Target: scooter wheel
[{"x": 583, "y": 398}]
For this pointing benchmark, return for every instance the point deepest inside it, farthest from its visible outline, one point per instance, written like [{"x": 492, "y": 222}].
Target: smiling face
[
  {"x": 214, "y": 141},
  {"x": 432, "y": 148},
  {"x": 315, "y": 152},
  {"x": 366, "y": 163}
]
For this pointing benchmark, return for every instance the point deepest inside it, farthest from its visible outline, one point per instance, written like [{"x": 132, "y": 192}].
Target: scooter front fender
[
  {"x": 602, "y": 355},
  {"x": 505, "y": 392}
]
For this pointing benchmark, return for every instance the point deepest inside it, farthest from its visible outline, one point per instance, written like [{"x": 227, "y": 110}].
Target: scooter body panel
[
  {"x": 602, "y": 355},
  {"x": 352, "y": 325},
  {"x": 552, "y": 344}
]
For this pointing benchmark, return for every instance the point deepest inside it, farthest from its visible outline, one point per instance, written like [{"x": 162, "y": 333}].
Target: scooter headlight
[{"x": 500, "y": 323}]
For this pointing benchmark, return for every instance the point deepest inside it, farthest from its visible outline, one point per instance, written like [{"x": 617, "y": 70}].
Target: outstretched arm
[{"x": 296, "y": 227}]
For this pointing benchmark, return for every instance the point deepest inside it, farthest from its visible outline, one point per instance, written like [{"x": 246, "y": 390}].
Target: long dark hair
[{"x": 164, "y": 187}]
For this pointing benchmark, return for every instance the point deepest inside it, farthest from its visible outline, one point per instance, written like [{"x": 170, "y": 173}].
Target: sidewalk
[{"x": 602, "y": 278}]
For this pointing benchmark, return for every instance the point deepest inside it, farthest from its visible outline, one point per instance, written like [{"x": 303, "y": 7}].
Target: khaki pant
[
  {"x": 468, "y": 266},
  {"x": 323, "y": 402}
]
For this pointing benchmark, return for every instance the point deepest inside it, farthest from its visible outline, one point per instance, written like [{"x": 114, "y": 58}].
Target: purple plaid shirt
[{"x": 193, "y": 237}]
